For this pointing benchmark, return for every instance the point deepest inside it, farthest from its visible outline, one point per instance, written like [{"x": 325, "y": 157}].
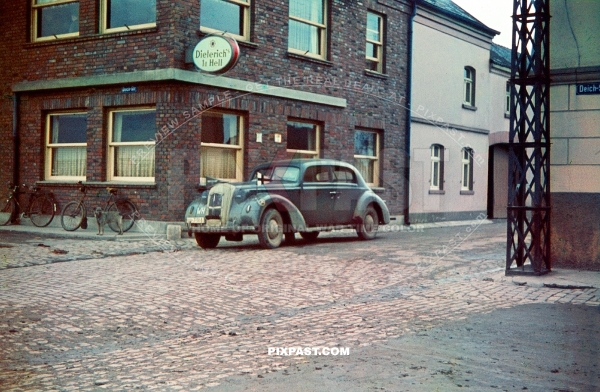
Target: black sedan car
[{"x": 282, "y": 198}]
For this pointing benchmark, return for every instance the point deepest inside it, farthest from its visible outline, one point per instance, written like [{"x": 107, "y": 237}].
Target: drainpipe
[
  {"x": 16, "y": 141},
  {"x": 406, "y": 211}
]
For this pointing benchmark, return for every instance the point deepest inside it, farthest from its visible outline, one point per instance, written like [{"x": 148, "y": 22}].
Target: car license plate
[{"x": 200, "y": 219}]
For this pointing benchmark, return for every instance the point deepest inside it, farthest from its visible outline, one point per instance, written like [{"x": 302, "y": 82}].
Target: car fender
[
  {"x": 371, "y": 198},
  {"x": 282, "y": 204}
]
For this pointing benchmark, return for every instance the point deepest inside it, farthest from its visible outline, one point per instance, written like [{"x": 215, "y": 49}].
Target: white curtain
[
  {"x": 134, "y": 161},
  {"x": 69, "y": 161},
  {"x": 365, "y": 167},
  {"x": 303, "y": 36},
  {"x": 218, "y": 162}
]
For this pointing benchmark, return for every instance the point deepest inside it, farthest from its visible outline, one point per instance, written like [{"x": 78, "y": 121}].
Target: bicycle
[
  {"x": 40, "y": 211},
  {"x": 74, "y": 214}
]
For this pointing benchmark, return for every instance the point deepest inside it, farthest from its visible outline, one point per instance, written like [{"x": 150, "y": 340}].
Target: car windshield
[{"x": 278, "y": 173}]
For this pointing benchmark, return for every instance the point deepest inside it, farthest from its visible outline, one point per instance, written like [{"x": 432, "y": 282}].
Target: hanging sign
[{"x": 216, "y": 54}]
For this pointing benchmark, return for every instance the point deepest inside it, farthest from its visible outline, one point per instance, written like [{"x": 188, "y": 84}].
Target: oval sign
[{"x": 216, "y": 54}]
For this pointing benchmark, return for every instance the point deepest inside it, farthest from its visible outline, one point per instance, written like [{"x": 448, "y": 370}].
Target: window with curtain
[
  {"x": 374, "y": 50},
  {"x": 131, "y": 145},
  {"x": 52, "y": 19},
  {"x": 231, "y": 16},
  {"x": 366, "y": 155},
  {"x": 469, "y": 86},
  {"x": 123, "y": 15},
  {"x": 66, "y": 146},
  {"x": 302, "y": 139},
  {"x": 307, "y": 28},
  {"x": 467, "y": 170},
  {"x": 221, "y": 153},
  {"x": 437, "y": 167}
]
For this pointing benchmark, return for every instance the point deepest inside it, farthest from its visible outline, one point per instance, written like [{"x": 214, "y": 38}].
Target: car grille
[{"x": 215, "y": 204}]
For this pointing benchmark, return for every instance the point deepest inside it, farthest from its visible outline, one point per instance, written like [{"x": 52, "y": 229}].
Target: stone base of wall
[
  {"x": 576, "y": 230},
  {"x": 434, "y": 217}
]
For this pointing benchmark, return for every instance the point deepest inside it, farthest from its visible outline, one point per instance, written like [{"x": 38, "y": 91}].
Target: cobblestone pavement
[{"x": 185, "y": 319}]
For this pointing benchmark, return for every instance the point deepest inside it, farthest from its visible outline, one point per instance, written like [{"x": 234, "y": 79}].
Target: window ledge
[
  {"x": 309, "y": 58},
  {"x": 97, "y": 184},
  {"x": 469, "y": 107},
  {"x": 467, "y": 192},
  {"x": 377, "y": 189},
  {"x": 91, "y": 37},
  {"x": 375, "y": 74},
  {"x": 437, "y": 192},
  {"x": 506, "y": 115}
]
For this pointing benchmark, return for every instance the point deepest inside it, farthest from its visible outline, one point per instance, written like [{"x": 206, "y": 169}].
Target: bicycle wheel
[
  {"x": 8, "y": 212},
  {"x": 72, "y": 216},
  {"x": 127, "y": 210},
  {"x": 41, "y": 210}
]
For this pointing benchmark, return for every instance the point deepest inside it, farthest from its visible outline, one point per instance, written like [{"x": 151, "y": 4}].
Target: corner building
[{"x": 105, "y": 92}]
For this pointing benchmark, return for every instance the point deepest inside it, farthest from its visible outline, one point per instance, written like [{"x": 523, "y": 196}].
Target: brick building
[{"x": 104, "y": 92}]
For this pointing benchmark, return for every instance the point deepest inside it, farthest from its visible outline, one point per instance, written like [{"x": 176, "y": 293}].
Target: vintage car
[{"x": 282, "y": 198}]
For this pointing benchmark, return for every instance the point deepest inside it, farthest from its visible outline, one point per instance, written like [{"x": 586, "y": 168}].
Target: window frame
[
  {"x": 316, "y": 153},
  {"x": 469, "y": 85},
  {"x": 110, "y": 151},
  {"x": 466, "y": 184},
  {"x": 239, "y": 147},
  {"x": 507, "y": 100},
  {"x": 322, "y": 31},
  {"x": 49, "y": 147},
  {"x": 375, "y": 160},
  {"x": 35, "y": 10},
  {"x": 379, "y": 45},
  {"x": 439, "y": 159},
  {"x": 104, "y": 29},
  {"x": 246, "y": 20}
]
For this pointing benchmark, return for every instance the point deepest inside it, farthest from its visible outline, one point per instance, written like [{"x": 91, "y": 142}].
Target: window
[
  {"x": 307, "y": 29},
  {"x": 66, "y": 143},
  {"x": 303, "y": 139},
  {"x": 366, "y": 155},
  {"x": 437, "y": 167},
  {"x": 467, "y": 170},
  {"x": 131, "y": 145},
  {"x": 469, "y": 98},
  {"x": 231, "y": 16},
  {"x": 123, "y": 15},
  {"x": 54, "y": 19},
  {"x": 507, "y": 104},
  {"x": 374, "y": 52},
  {"x": 221, "y": 153}
]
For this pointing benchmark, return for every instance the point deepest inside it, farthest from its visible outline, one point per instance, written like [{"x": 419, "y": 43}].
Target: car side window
[
  {"x": 345, "y": 175},
  {"x": 317, "y": 174}
]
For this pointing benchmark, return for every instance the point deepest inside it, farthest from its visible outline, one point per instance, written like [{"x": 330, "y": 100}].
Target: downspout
[
  {"x": 406, "y": 211},
  {"x": 16, "y": 141}
]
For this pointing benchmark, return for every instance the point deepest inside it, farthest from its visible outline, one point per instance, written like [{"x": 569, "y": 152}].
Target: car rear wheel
[
  {"x": 309, "y": 235},
  {"x": 207, "y": 241},
  {"x": 367, "y": 229},
  {"x": 270, "y": 235}
]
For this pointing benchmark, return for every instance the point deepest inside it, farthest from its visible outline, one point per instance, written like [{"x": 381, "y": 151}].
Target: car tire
[
  {"x": 367, "y": 228},
  {"x": 207, "y": 241},
  {"x": 309, "y": 235},
  {"x": 271, "y": 234}
]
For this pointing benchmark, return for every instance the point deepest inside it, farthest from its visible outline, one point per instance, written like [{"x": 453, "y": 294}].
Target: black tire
[
  {"x": 207, "y": 241},
  {"x": 72, "y": 215},
  {"x": 367, "y": 229},
  {"x": 127, "y": 210},
  {"x": 309, "y": 235},
  {"x": 42, "y": 210},
  {"x": 8, "y": 211},
  {"x": 270, "y": 235}
]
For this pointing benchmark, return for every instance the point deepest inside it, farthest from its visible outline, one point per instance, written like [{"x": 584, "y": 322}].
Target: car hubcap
[
  {"x": 369, "y": 223},
  {"x": 273, "y": 229}
]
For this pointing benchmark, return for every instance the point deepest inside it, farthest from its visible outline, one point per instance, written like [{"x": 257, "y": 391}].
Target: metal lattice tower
[{"x": 528, "y": 210}]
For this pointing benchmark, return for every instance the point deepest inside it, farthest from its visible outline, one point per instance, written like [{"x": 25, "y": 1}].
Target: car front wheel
[
  {"x": 270, "y": 235},
  {"x": 367, "y": 229},
  {"x": 207, "y": 241}
]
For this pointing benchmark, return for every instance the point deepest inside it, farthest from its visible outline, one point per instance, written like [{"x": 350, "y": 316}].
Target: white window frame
[
  {"x": 377, "y": 43},
  {"x": 291, "y": 152},
  {"x": 437, "y": 167},
  {"x": 239, "y": 147},
  {"x": 374, "y": 159},
  {"x": 50, "y": 147},
  {"x": 145, "y": 147},
  {"x": 246, "y": 7},
  {"x": 104, "y": 21},
  {"x": 35, "y": 11},
  {"x": 507, "y": 100},
  {"x": 469, "y": 86},
  {"x": 467, "y": 164},
  {"x": 321, "y": 31}
]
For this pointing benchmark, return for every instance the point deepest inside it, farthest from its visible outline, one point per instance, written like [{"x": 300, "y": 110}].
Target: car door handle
[{"x": 334, "y": 193}]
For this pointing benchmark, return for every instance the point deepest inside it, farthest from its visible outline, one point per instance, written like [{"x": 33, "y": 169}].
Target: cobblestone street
[{"x": 142, "y": 315}]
